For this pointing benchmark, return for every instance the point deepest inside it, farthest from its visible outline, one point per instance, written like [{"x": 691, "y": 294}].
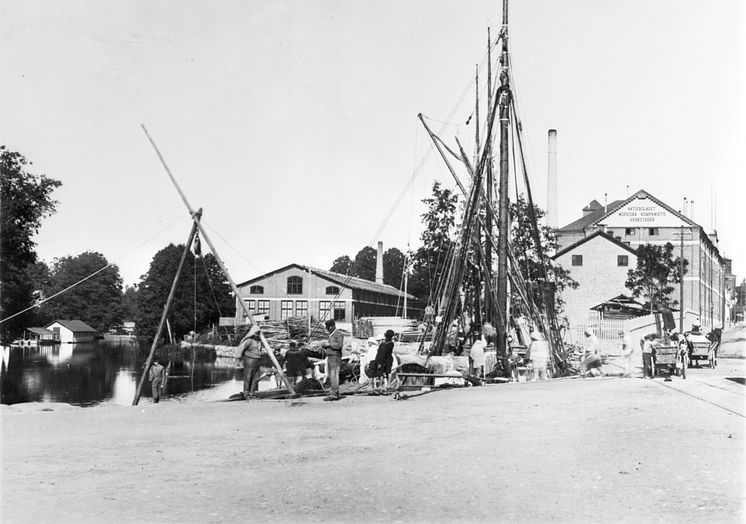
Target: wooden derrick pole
[
  {"x": 227, "y": 275},
  {"x": 503, "y": 220},
  {"x": 166, "y": 309},
  {"x": 489, "y": 304}
]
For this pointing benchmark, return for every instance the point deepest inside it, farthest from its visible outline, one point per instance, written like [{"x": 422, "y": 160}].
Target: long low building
[{"x": 298, "y": 291}]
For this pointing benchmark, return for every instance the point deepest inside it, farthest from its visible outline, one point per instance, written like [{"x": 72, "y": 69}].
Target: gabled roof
[
  {"x": 40, "y": 331},
  {"x": 73, "y": 325},
  {"x": 622, "y": 301},
  {"x": 596, "y": 211},
  {"x": 592, "y": 236},
  {"x": 644, "y": 194},
  {"x": 338, "y": 278}
]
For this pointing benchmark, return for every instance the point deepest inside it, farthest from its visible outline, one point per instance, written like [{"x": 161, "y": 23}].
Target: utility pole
[
  {"x": 503, "y": 220},
  {"x": 681, "y": 282}
]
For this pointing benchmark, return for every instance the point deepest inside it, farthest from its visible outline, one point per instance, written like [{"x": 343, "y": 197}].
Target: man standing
[
  {"x": 538, "y": 354},
  {"x": 627, "y": 351},
  {"x": 647, "y": 355},
  {"x": 250, "y": 350},
  {"x": 333, "y": 357},
  {"x": 156, "y": 379}
]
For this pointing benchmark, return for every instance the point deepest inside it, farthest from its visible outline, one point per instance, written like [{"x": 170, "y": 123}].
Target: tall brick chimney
[
  {"x": 552, "y": 204},
  {"x": 379, "y": 264}
]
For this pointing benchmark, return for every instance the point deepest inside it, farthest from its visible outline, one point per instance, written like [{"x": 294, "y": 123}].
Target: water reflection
[{"x": 104, "y": 372}]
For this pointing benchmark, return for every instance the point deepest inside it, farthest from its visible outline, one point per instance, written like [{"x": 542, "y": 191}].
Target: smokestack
[
  {"x": 552, "y": 220},
  {"x": 685, "y": 211},
  {"x": 691, "y": 210},
  {"x": 606, "y": 202},
  {"x": 379, "y": 264}
]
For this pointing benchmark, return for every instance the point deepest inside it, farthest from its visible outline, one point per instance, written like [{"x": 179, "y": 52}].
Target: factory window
[
  {"x": 339, "y": 311},
  {"x": 654, "y": 231},
  {"x": 577, "y": 260},
  {"x": 324, "y": 307},
  {"x": 262, "y": 307},
  {"x": 256, "y": 290},
  {"x": 630, "y": 231},
  {"x": 295, "y": 285},
  {"x": 622, "y": 260},
  {"x": 301, "y": 308},
  {"x": 250, "y": 304},
  {"x": 286, "y": 309},
  {"x": 332, "y": 290}
]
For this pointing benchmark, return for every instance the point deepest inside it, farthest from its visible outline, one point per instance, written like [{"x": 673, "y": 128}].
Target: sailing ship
[{"x": 471, "y": 291}]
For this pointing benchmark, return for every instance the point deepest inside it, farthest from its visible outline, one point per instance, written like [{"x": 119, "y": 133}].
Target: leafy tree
[
  {"x": 202, "y": 296},
  {"x": 364, "y": 265},
  {"x": 428, "y": 262},
  {"x": 527, "y": 256},
  {"x": 97, "y": 300},
  {"x": 655, "y": 275},
  {"x": 25, "y": 199},
  {"x": 129, "y": 303},
  {"x": 342, "y": 265},
  {"x": 393, "y": 267}
]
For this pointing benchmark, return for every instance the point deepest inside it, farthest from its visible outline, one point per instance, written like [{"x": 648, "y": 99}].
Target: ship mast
[{"x": 503, "y": 220}]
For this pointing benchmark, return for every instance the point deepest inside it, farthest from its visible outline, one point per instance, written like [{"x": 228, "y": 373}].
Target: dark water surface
[{"x": 107, "y": 372}]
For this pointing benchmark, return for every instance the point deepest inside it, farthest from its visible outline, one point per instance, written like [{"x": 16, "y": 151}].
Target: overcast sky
[{"x": 293, "y": 124}]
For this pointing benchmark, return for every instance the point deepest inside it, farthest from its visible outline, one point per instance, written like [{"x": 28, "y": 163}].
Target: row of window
[
  {"x": 652, "y": 231},
  {"x": 298, "y": 308},
  {"x": 294, "y": 287},
  {"x": 621, "y": 260}
]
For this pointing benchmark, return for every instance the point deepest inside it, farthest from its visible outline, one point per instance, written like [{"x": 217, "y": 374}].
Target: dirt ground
[{"x": 569, "y": 450}]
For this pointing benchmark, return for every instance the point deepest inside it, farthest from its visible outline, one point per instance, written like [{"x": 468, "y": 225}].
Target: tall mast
[
  {"x": 489, "y": 305},
  {"x": 503, "y": 221}
]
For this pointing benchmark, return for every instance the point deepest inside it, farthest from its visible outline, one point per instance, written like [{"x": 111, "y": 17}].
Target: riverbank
[{"x": 528, "y": 452}]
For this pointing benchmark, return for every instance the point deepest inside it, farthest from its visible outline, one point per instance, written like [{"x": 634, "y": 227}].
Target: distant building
[
  {"x": 72, "y": 331},
  {"x": 298, "y": 291},
  {"x": 632, "y": 222}
]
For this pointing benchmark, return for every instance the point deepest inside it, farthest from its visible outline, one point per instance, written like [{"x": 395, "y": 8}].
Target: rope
[{"x": 40, "y": 302}]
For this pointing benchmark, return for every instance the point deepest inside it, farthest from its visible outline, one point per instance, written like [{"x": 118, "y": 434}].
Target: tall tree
[
  {"x": 342, "y": 265},
  {"x": 527, "y": 256},
  {"x": 129, "y": 303},
  {"x": 428, "y": 262},
  {"x": 393, "y": 267},
  {"x": 202, "y": 296},
  {"x": 96, "y": 301},
  {"x": 25, "y": 199},
  {"x": 656, "y": 274},
  {"x": 364, "y": 265}
]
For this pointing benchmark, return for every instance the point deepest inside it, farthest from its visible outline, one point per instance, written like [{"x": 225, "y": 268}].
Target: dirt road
[{"x": 574, "y": 450}]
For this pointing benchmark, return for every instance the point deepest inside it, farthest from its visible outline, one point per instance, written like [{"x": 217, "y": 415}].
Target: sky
[{"x": 293, "y": 124}]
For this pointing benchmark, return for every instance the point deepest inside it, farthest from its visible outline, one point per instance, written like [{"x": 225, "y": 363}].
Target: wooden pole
[
  {"x": 503, "y": 220},
  {"x": 227, "y": 275},
  {"x": 166, "y": 308}
]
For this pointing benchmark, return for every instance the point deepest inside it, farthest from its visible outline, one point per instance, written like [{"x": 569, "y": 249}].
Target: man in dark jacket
[
  {"x": 333, "y": 358},
  {"x": 250, "y": 350}
]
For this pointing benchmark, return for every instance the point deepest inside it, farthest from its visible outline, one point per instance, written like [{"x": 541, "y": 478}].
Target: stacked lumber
[{"x": 298, "y": 329}]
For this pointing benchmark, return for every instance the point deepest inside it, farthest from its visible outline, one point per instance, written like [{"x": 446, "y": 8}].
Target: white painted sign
[{"x": 642, "y": 212}]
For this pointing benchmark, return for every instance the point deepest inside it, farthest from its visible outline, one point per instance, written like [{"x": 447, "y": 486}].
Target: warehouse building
[{"x": 599, "y": 248}]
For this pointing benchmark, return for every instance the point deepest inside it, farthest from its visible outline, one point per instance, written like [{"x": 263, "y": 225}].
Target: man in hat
[
  {"x": 156, "y": 379},
  {"x": 250, "y": 350},
  {"x": 333, "y": 358},
  {"x": 538, "y": 354},
  {"x": 385, "y": 357},
  {"x": 627, "y": 350}
]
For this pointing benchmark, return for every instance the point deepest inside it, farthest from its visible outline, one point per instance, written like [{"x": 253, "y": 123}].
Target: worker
[
  {"x": 385, "y": 357},
  {"x": 333, "y": 349},
  {"x": 297, "y": 364},
  {"x": 591, "y": 363},
  {"x": 156, "y": 375},
  {"x": 627, "y": 351},
  {"x": 538, "y": 355},
  {"x": 646, "y": 343},
  {"x": 250, "y": 351}
]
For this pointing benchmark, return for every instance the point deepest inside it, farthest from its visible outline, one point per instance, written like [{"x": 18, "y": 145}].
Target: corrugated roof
[{"x": 74, "y": 325}]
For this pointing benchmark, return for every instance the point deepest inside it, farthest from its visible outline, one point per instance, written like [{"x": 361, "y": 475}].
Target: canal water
[{"x": 107, "y": 373}]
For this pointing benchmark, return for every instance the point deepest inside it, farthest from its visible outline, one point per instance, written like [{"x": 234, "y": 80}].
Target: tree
[
  {"x": 25, "y": 199},
  {"x": 129, "y": 303},
  {"x": 342, "y": 265},
  {"x": 364, "y": 265},
  {"x": 428, "y": 262},
  {"x": 655, "y": 275},
  {"x": 97, "y": 300},
  {"x": 202, "y": 295},
  {"x": 393, "y": 267},
  {"x": 527, "y": 256}
]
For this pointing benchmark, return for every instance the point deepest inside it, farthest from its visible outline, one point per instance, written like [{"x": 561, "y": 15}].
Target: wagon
[
  {"x": 669, "y": 359},
  {"x": 700, "y": 350}
]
